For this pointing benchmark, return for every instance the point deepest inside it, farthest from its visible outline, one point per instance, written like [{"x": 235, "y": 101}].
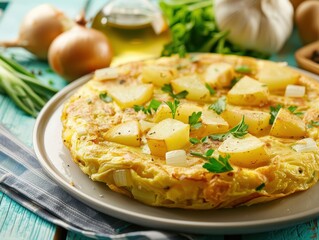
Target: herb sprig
[
  {"x": 173, "y": 106},
  {"x": 105, "y": 98},
  {"x": 293, "y": 109},
  {"x": 313, "y": 124},
  {"x": 194, "y": 120},
  {"x": 243, "y": 69},
  {"x": 238, "y": 131},
  {"x": 214, "y": 165},
  {"x": 169, "y": 89},
  {"x": 274, "y": 112},
  {"x": 153, "y": 106},
  {"x": 219, "y": 106},
  {"x": 210, "y": 89}
]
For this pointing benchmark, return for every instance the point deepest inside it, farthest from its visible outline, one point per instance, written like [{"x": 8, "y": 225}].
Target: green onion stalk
[{"x": 26, "y": 91}]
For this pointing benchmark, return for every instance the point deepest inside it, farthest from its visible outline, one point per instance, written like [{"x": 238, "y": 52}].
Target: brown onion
[
  {"x": 79, "y": 51},
  {"x": 39, "y": 28}
]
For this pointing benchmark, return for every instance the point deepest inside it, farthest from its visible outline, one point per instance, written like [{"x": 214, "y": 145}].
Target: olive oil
[{"x": 130, "y": 30}]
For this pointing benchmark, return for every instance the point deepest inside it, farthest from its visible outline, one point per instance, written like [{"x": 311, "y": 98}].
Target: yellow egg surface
[{"x": 113, "y": 133}]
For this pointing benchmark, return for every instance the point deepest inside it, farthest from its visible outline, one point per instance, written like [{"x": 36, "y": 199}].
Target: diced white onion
[
  {"x": 81, "y": 131},
  {"x": 295, "y": 91},
  {"x": 105, "y": 74},
  {"x": 176, "y": 158},
  {"x": 122, "y": 178},
  {"x": 305, "y": 145},
  {"x": 144, "y": 195}
]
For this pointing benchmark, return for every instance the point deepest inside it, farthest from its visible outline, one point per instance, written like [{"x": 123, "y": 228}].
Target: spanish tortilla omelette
[{"x": 200, "y": 132}]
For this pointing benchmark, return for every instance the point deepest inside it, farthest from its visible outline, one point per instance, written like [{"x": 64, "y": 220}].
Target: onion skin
[
  {"x": 307, "y": 21},
  {"x": 79, "y": 51},
  {"x": 39, "y": 28}
]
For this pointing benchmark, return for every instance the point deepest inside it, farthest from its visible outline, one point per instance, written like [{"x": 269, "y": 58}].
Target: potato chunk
[
  {"x": 211, "y": 123},
  {"x": 275, "y": 76},
  {"x": 288, "y": 125},
  {"x": 127, "y": 133},
  {"x": 169, "y": 134},
  {"x": 193, "y": 85},
  {"x": 183, "y": 111},
  {"x": 248, "y": 152},
  {"x": 219, "y": 74},
  {"x": 257, "y": 121},
  {"x": 158, "y": 75},
  {"x": 248, "y": 92},
  {"x": 128, "y": 96}
]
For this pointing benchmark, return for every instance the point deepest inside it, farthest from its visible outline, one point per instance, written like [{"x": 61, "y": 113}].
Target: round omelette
[{"x": 202, "y": 132}]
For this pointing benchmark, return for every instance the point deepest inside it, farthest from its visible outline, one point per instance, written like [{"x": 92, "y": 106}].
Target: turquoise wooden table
[{"x": 16, "y": 222}]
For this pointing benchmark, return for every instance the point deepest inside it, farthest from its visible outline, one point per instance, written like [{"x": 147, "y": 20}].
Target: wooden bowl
[{"x": 303, "y": 57}]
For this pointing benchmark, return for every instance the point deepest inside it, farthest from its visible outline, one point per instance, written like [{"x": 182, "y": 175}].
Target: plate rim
[{"x": 243, "y": 227}]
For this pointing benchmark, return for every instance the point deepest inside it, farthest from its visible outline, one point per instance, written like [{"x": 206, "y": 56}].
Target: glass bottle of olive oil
[{"x": 135, "y": 29}]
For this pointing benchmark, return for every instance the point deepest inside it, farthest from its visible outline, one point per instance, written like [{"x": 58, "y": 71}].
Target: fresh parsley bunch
[{"x": 193, "y": 29}]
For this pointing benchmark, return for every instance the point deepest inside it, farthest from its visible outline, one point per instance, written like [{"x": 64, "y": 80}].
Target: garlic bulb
[{"x": 262, "y": 25}]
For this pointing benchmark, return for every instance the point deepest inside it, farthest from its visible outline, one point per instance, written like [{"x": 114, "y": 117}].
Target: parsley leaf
[
  {"x": 168, "y": 89},
  {"x": 194, "y": 140},
  {"x": 219, "y": 106},
  {"x": 293, "y": 109},
  {"x": 173, "y": 106},
  {"x": 238, "y": 131},
  {"x": 243, "y": 69},
  {"x": 193, "y": 120},
  {"x": 234, "y": 81},
  {"x": 214, "y": 165},
  {"x": 154, "y": 104},
  {"x": 105, "y": 98},
  {"x": 273, "y": 113},
  {"x": 210, "y": 89},
  {"x": 313, "y": 124},
  {"x": 260, "y": 187}
]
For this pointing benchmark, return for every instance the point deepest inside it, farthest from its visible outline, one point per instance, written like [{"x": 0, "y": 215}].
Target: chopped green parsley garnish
[
  {"x": 210, "y": 89},
  {"x": 273, "y": 113},
  {"x": 194, "y": 120},
  {"x": 260, "y": 187},
  {"x": 105, "y": 98},
  {"x": 238, "y": 131},
  {"x": 168, "y": 89},
  {"x": 219, "y": 106},
  {"x": 313, "y": 124},
  {"x": 153, "y": 106},
  {"x": 243, "y": 69},
  {"x": 214, "y": 165},
  {"x": 293, "y": 109},
  {"x": 173, "y": 106}
]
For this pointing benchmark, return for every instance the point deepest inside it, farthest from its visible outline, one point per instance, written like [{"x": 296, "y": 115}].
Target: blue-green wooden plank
[
  {"x": 16, "y": 222},
  {"x": 306, "y": 231}
]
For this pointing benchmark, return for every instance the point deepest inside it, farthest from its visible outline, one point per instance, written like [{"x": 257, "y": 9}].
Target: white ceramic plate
[{"x": 56, "y": 161}]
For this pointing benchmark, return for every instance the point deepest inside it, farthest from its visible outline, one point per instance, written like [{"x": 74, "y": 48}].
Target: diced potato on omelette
[
  {"x": 211, "y": 123},
  {"x": 219, "y": 75},
  {"x": 158, "y": 75},
  {"x": 275, "y": 76},
  {"x": 248, "y": 92},
  {"x": 258, "y": 121},
  {"x": 288, "y": 125},
  {"x": 127, "y": 133},
  {"x": 196, "y": 89},
  {"x": 183, "y": 112},
  {"x": 247, "y": 152},
  {"x": 128, "y": 96},
  {"x": 169, "y": 134},
  {"x": 145, "y": 126}
]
